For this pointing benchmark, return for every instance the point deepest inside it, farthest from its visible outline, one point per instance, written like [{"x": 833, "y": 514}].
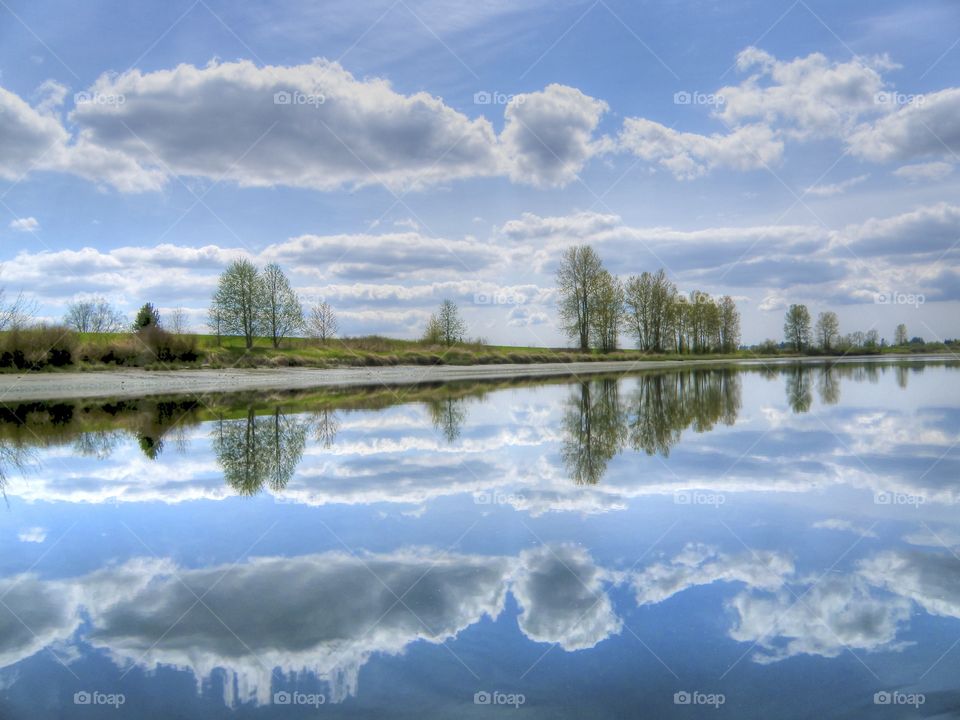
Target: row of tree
[
  {"x": 801, "y": 334},
  {"x": 250, "y": 302},
  {"x": 596, "y": 306}
]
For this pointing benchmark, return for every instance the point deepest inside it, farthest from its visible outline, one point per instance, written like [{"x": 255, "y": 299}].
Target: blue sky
[{"x": 777, "y": 152}]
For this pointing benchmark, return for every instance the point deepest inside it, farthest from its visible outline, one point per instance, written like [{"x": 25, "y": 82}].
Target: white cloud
[
  {"x": 924, "y": 172},
  {"x": 25, "y": 224},
  {"x": 32, "y": 535},
  {"x": 844, "y": 526},
  {"x": 835, "y": 188}
]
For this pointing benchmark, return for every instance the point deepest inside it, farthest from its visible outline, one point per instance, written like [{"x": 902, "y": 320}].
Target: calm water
[{"x": 762, "y": 543}]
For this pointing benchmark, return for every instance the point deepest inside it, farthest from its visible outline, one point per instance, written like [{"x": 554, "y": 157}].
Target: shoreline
[{"x": 136, "y": 383}]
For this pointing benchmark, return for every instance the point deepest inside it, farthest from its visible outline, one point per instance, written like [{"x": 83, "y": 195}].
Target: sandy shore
[{"x": 138, "y": 383}]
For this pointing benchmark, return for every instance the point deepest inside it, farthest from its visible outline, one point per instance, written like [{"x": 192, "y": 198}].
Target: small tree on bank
[
  {"x": 94, "y": 316},
  {"x": 446, "y": 327},
  {"x": 578, "y": 278},
  {"x": 283, "y": 313},
  {"x": 827, "y": 330},
  {"x": 322, "y": 323},
  {"x": 796, "y": 327},
  {"x": 147, "y": 317},
  {"x": 239, "y": 301},
  {"x": 900, "y": 335}
]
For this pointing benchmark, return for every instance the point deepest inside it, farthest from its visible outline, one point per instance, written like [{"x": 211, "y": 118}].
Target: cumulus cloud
[
  {"x": 32, "y": 535},
  {"x": 691, "y": 155},
  {"x": 927, "y": 127},
  {"x": 548, "y": 135},
  {"x": 842, "y": 525}
]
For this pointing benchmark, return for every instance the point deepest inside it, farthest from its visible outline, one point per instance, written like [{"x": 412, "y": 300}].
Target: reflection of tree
[
  {"x": 12, "y": 455},
  {"x": 902, "y": 374},
  {"x": 828, "y": 385},
  {"x": 663, "y": 405},
  {"x": 448, "y": 416},
  {"x": 259, "y": 449},
  {"x": 326, "y": 425},
  {"x": 594, "y": 430},
  {"x": 97, "y": 443},
  {"x": 799, "y": 391}
]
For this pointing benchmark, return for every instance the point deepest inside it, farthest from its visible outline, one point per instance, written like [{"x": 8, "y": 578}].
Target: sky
[{"x": 395, "y": 153}]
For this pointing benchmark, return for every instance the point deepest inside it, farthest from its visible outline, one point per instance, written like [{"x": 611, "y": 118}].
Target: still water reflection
[{"x": 768, "y": 541}]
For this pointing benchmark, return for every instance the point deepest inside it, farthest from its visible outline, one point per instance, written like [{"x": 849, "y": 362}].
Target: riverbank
[{"x": 140, "y": 383}]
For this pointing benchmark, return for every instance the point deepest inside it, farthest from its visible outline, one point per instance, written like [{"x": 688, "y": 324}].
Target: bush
[
  {"x": 37, "y": 347},
  {"x": 166, "y": 347}
]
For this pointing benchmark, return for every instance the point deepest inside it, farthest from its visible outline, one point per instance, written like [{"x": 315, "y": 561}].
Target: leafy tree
[
  {"x": 608, "y": 312},
  {"x": 282, "y": 310},
  {"x": 900, "y": 336},
  {"x": 94, "y": 316},
  {"x": 796, "y": 327},
  {"x": 147, "y": 317},
  {"x": 240, "y": 301},
  {"x": 827, "y": 330},
  {"x": 729, "y": 324},
  {"x": 322, "y": 323},
  {"x": 578, "y": 277}
]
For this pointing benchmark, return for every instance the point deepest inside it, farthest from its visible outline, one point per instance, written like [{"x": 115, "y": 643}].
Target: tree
[
  {"x": 446, "y": 327},
  {"x": 17, "y": 313},
  {"x": 796, "y": 327},
  {"x": 827, "y": 330},
  {"x": 94, "y": 316},
  {"x": 322, "y": 323},
  {"x": 239, "y": 301},
  {"x": 608, "y": 312},
  {"x": 729, "y": 324},
  {"x": 900, "y": 336},
  {"x": 178, "y": 321},
  {"x": 282, "y": 310},
  {"x": 577, "y": 278},
  {"x": 147, "y": 316},
  {"x": 215, "y": 321}
]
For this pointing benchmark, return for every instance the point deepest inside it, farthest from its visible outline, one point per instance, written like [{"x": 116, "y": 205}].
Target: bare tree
[
  {"x": 282, "y": 310},
  {"x": 178, "y": 321},
  {"x": 608, "y": 312},
  {"x": 96, "y": 315},
  {"x": 577, "y": 278},
  {"x": 16, "y": 313},
  {"x": 322, "y": 323}
]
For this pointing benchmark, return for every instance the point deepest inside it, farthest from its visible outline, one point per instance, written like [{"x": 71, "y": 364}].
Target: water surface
[{"x": 771, "y": 542}]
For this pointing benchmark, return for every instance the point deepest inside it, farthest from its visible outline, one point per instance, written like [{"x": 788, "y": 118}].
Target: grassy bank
[{"x": 54, "y": 348}]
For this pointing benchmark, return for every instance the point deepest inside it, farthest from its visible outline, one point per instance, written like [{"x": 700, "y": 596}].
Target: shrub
[
  {"x": 39, "y": 346},
  {"x": 166, "y": 347}
]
